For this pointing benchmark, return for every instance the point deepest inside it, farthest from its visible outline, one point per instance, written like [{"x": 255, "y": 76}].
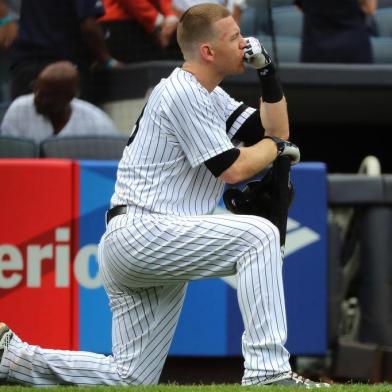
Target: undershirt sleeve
[{"x": 218, "y": 164}]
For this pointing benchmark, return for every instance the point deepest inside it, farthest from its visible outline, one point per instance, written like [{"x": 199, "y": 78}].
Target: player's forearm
[
  {"x": 275, "y": 119},
  {"x": 251, "y": 161}
]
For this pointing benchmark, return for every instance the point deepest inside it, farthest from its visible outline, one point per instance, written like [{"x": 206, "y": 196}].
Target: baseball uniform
[{"x": 168, "y": 236}]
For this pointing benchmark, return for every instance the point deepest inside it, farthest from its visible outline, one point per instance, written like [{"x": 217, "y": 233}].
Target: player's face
[{"x": 228, "y": 47}]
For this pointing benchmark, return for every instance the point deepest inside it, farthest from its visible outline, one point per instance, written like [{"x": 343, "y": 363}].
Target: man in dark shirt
[
  {"x": 51, "y": 31},
  {"x": 335, "y": 31}
]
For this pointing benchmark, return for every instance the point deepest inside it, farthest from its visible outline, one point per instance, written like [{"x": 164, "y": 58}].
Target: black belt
[{"x": 117, "y": 210}]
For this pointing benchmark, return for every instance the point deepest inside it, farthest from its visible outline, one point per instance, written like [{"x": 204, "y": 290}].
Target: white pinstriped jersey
[{"x": 183, "y": 125}]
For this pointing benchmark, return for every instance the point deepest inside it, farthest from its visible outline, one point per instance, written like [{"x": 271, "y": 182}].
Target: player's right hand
[
  {"x": 286, "y": 148},
  {"x": 255, "y": 53},
  {"x": 290, "y": 150}
]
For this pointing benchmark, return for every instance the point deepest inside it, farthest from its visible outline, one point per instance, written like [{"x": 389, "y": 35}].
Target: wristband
[
  {"x": 271, "y": 88},
  {"x": 6, "y": 19}
]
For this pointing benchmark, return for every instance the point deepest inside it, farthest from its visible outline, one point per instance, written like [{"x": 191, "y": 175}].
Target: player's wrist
[
  {"x": 286, "y": 148},
  {"x": 267, "y": 70},
  {"x": 271, "y": 87},
  {"x": 279, "y": 143}
]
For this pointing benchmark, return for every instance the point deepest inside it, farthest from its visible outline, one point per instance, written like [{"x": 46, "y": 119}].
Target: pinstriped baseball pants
[{"x": 145, "y": 264}]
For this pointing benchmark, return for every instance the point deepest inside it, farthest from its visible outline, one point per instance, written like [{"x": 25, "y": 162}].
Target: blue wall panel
[
  {"x": 210, "y": 323},
  {"x": 96, "y": 188}
]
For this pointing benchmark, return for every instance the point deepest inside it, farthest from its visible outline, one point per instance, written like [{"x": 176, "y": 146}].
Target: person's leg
[
  {"x": 145, "y": 264},
  {"x": 32, "y": 365},
  {"x": 144, "y": 321},
  {"x": 156, "y": 250}
]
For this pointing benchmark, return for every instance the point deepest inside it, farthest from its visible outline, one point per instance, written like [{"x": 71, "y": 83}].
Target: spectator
[
  {"x": 56, "y": 30},
  {"x": 9, "y": 14},
  {"x": 140, "y": 30},
  {"x": 234, "y": 6},
  {"x": 53, "y": 108},
  {"x": 335, "y": 31}
]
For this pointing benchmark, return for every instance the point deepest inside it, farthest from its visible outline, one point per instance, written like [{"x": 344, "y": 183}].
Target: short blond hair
[{"x": 196, "y": 25}]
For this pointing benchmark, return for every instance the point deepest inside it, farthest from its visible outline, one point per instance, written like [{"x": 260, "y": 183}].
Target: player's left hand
[{"x": 255, "y": 53}]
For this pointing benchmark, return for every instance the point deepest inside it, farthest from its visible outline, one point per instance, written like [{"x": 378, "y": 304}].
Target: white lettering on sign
[
  {"x": 10, "y": 260},
  {"x": 56, "y": 255}
]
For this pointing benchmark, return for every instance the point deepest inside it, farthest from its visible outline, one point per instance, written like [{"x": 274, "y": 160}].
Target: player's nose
[{"x": 243, "y": 42}]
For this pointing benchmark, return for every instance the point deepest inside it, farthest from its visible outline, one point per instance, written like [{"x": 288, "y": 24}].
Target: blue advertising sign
[{"x": 210, "y": 323}]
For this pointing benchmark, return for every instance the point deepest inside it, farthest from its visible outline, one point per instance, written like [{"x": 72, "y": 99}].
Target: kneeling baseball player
[{"x": 161, "y": 232}]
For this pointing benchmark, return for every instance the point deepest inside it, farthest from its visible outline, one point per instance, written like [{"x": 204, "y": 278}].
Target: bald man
[{"x": 53, "y": 110}]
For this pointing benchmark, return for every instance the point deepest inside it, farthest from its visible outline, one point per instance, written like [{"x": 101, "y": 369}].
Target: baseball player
[{"x": 160, "y": 231}]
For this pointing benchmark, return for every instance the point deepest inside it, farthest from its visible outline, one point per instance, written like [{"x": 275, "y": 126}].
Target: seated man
[{"x": 53, "y": 108}]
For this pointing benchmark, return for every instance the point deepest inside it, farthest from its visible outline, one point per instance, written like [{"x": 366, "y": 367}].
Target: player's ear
[{"x": 206, "y": 52}]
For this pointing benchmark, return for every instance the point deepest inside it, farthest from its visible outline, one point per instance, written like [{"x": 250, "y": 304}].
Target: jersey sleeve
[
  {"x": 198, "y": 127},
  {"x": 235, "y": 113}
]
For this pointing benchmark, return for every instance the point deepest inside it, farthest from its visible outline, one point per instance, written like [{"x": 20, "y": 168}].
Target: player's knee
[
  {"x": 263, "y": 233},
  {"x": 274, "y": 235}
]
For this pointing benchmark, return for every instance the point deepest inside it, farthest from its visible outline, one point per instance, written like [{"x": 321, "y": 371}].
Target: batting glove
[
  {"x": 255, "y": 53},
  {"x": 286, "y": 148}
]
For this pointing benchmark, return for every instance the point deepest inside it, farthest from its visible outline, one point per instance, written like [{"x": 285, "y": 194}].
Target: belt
[{"x": 117, "y": 210}]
